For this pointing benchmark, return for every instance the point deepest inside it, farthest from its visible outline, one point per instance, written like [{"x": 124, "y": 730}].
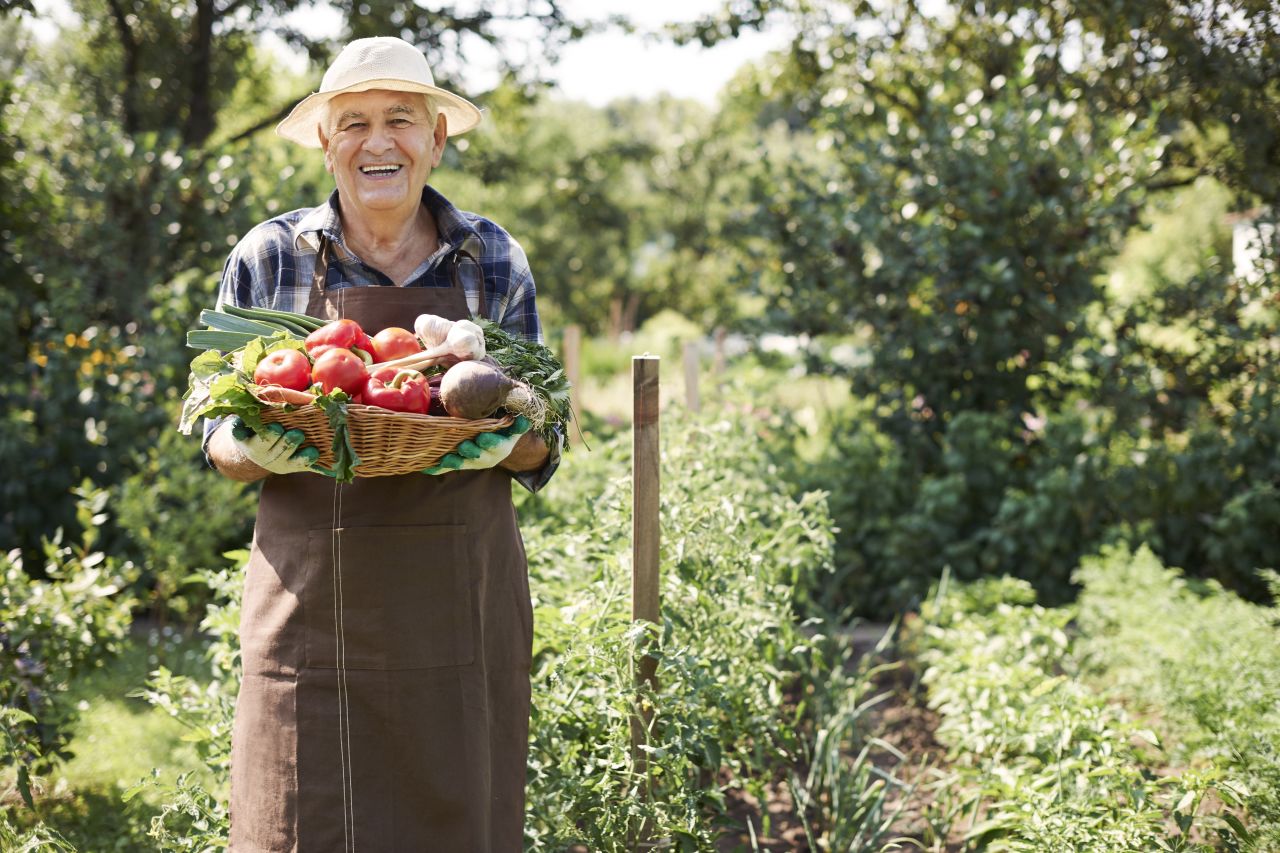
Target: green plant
[
  {"x": 54, "y": 631},
  {"x": 1046, "y": 763},
  {"x": 1199, "y": 659},
  {"x": 741, "y": 689}
]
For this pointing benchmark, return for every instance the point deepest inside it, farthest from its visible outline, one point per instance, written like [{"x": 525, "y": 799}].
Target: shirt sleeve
[
  {"x": 520, "y": 318},
  {"x": 520, "y": 309}
]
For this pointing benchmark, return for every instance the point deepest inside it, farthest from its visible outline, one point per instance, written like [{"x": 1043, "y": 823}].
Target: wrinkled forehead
[{"x": 378, "y": 102}]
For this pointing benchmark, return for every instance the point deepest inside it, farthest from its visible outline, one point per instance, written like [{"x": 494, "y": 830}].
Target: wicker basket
[{"x": 386, "y": 442}]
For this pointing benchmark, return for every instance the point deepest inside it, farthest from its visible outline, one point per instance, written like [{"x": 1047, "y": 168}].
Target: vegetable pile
[{"x": 256, "y": 358}]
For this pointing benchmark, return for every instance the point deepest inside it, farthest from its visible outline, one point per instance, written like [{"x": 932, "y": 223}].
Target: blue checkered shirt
[{"x": 273, "y": 266}]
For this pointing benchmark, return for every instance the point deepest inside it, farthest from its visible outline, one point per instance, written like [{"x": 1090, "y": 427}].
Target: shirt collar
[{"x": 324, "y": 220}]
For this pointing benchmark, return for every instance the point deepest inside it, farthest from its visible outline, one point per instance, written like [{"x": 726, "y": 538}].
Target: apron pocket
[{"x": 388, "y": 597}]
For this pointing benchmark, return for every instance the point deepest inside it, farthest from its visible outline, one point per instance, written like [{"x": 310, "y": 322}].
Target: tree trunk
[
  {"x": 129, "y": 46},
  {"x": 199, "y": 124}
]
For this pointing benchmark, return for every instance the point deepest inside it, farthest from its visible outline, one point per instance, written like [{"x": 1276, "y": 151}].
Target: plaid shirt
[{"x": 273, "y": 265}]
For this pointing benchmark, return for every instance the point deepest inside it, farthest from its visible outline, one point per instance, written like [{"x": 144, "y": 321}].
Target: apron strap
[
  {"x": 455, "y": 261},
  {"x": 320, "y": 278}
]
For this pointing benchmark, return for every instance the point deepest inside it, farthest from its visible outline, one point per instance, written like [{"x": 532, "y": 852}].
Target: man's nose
[{"x": 379, "y": 139}]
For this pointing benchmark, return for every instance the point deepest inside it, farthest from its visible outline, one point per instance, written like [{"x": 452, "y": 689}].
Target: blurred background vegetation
[
  {"x": 1007, "y": 228},
  {"x": 1020, "y": 258}
]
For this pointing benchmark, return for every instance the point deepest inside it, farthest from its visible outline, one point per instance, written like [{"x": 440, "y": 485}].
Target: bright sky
[
  {"x": 596, "y": 69},
  {"x": 600, "y": 68},
  {"x": 610, "y": 65}
]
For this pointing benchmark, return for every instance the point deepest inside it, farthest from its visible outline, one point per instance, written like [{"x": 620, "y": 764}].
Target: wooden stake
[
  {"x": 644, "y": 490},
  {"x": 717, "y": 364},
  {"x": 691, "y": 359},
  {"x": 645, "y": 460}
]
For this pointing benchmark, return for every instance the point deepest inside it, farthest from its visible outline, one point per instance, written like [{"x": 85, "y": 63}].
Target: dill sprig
[{"x": 535, "y": 365}]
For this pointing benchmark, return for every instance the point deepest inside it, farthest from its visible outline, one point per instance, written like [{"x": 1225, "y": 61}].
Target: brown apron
[{"x": 386, "y": 635}]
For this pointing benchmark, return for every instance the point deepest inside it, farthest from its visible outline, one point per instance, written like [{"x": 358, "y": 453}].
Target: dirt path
[{"x": 901, "y": 720}]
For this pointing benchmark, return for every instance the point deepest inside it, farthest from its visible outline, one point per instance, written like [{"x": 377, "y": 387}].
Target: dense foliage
[
  {"x": 951, "y": 202},
  {"x": 1182, "y": 658},
  {"x": 53, "y": 632},
  {"x": 1044, "y": 761}
]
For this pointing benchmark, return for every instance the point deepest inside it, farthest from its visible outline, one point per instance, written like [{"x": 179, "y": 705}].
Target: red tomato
[
  {"x": 340, "y": 368},
  {"x": 287, "y": 368},
  {"x": 340, "y": 333},
  {"x": 394, "y": 342}
]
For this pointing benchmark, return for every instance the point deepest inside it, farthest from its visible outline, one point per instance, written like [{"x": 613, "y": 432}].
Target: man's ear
[{"x": 441, "y": 139}]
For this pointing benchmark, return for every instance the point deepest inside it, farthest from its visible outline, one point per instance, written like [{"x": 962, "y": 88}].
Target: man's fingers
[
  {"x": 488, "y": 440},
  {"x": 293, "y": 437},
  {"x": 240, "y": 430},
  {"x": 307, "y": 454},
  {"x": 274, "y": 430},
  {"x": 468, "y": 449}
]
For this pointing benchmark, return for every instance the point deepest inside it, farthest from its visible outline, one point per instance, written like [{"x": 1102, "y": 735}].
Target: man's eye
[
  {"x": 401, "y": 122},
  {"x": 355, "y": 125}
]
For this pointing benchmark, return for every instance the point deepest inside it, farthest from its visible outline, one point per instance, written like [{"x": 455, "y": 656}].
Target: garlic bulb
[{"x": 432, "y": 330}]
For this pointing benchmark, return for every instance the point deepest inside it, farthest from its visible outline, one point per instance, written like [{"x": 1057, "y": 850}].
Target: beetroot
[{"x": 472, "y": 389}]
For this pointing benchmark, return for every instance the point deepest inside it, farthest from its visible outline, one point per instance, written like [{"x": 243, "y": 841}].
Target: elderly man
[{"x": 386, "y": 630}]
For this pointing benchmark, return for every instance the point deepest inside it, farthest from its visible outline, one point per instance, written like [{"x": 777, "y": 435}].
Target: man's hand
[
  {"x": 275, "y": 449},
  {"x": 484, "y": 451}
]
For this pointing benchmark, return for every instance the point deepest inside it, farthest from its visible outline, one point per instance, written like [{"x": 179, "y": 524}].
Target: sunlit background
[{"x": 980, "y": 294}]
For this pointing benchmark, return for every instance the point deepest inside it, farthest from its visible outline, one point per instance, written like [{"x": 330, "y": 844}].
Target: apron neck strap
[
  {"x": 455, "y": 262},
  {"x": 320, "y": 277}
]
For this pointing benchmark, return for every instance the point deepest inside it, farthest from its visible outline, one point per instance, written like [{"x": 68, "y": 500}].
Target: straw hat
[{"x": 375, "y": 63}]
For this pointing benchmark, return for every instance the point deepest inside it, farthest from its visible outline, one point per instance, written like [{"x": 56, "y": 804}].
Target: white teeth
[{"x": 379, "y": 170}]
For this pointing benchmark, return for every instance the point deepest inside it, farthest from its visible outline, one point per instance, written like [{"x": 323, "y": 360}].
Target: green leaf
[
  {"x": 334, "y": 405},
  {"x": 253, "y": 353},
  {"x": 24, "y": 786}
]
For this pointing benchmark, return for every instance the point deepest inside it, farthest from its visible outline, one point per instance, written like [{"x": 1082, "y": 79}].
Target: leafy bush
[
  {"x": 191, "y": 817},
  {"x": 1199, "y": 659},
  {"x": 53, "y": 631},
  {"x": 1042, "y": 762},
  {"x": 177, "y": 518},
  {"x": 728, "y": 651}
]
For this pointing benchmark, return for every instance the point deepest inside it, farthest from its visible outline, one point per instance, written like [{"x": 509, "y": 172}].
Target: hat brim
[{"x": 302, "y": 125}]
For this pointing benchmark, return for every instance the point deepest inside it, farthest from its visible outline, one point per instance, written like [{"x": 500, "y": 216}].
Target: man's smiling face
[{"x": 380, "y": 146}]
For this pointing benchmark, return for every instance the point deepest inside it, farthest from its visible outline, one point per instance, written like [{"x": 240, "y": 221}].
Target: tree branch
[{"x": 274, "y": 118}]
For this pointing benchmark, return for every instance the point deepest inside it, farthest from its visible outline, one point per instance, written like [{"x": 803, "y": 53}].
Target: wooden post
[
  {"x": 717, "y": 364},
  {"x": 644, "y": 523},
  {"x": 572, "y": 351},
  {"x": 691, "y": 376}
]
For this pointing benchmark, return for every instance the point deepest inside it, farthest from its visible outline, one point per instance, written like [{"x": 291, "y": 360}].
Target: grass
[{"x": 118, "y": 741}]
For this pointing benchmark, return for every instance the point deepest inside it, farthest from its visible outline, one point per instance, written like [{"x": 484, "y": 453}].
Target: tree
[
  {"x": 951, "y": 208},
  {"x": 135, "y": 141}
]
